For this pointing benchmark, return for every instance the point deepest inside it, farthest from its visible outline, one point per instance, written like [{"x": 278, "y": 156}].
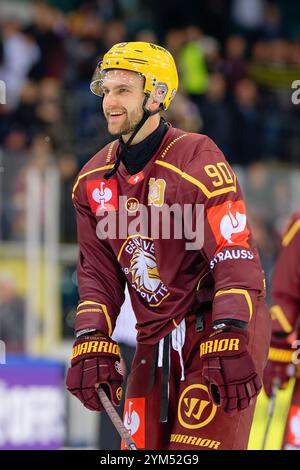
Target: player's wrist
[
  {"x": 224, "y": 323},
  {"x": 89, "y": 332},
  {"x": 100, "y": 345},
  {"x": 227, "y": 341}
]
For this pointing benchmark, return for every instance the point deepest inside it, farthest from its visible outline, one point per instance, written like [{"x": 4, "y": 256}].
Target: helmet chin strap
[{"x": 145, "y": 116}]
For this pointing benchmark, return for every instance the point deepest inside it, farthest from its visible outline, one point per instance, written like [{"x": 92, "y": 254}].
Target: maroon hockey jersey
[
  {"x": 165, "y": 275},
  {"x": 286, "y": 281}
]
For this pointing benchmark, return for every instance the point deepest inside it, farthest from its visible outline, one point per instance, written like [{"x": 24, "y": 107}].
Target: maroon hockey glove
[
  {"x": 228, "y": 369},
  {"x": 279, "y": 368},
  {"x": 95, "y": 360}
]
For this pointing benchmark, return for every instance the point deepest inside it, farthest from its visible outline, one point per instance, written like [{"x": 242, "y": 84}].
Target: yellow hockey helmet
[{"x": 153, "y": 62}]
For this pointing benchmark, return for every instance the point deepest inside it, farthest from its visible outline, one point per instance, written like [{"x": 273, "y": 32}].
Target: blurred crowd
[{"x": 237, "y": 61}]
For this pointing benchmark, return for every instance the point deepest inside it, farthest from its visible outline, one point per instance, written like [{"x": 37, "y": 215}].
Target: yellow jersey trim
[
  {"x": 171, "y": 145},
  {"x": 280, "y": 355},
  {"x": 104, "y": 309},
  {"x": 209, "y": 194},
  {"x": 156, "y": 305},
  {"x": 110, "y": 149},
  {"x": 106, "y": 167},
  {"x": 288, "y": 237},
  {"x": 241, "y": 292},
  {"x": 89, "y": 310},
  {"x": 278, "y": 314},
  {"x": 87, "y": 302}
]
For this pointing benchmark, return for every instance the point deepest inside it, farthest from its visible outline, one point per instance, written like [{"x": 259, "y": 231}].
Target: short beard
[{"x": 130, "y": 123}]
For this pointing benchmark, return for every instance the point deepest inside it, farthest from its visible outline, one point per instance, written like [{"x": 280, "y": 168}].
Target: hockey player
[
  {"x": 202, "y": 324},
  {"x": 283, "y": 360}
]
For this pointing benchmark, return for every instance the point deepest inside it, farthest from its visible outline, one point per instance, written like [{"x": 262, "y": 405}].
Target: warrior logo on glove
[
  {"x": 228, "y": 370},
  {"x": 95, "y": 360}
]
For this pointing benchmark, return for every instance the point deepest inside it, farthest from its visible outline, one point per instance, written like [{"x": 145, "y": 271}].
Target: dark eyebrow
[{"x": 124, "y": 85}]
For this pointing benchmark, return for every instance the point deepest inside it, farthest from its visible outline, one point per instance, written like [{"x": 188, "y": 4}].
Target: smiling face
[{"x": 123, "y": 98}]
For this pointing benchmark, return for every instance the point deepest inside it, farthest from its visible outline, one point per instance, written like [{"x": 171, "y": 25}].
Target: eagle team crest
[
  {"x": 144, "y": 271},
  {"x": 138, "y": 256}
]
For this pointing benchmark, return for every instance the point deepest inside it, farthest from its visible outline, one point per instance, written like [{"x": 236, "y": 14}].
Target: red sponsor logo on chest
[{"x": 102, "y": 195}]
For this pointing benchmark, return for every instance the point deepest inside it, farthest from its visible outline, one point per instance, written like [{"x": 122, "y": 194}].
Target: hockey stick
[
  {"x": 115, "y": 419},
  {"x": 275, "y": 387}
]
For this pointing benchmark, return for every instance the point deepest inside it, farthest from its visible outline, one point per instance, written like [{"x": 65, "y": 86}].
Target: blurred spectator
[
  {"x": 115, "y": 31},
  {"x": 1, "y": 49},
  {"x": 12, "y": 315},
  {"x": 211, "y": 50},
  {"x": 292, "y": 134},
  {"x": 25, "y": 113},
  {"x": 192, "y": 66},
  {"x": 49, "y": 114},
  {"x": 273, "y": 126},
  {"x": 146, "y": 35},
  {"x": 271, "y": 69},
  {"x": 257, "y": 189},
  {"x": 14, "y": 158},
  {"x": 174, "y": 41},
  {"x": 290, "y": 14},
  {"x": 184, "y": 114},
  {"x": 217, "y": 114},
  {"x": 260, "y": 53},
  {"x": 68, "y": 168},
  {"x": 234, "y": 65},
  {"x": 248, "y": 19},
  {"x": 294, "y": 53},
  {"x": 20, "y": 53},
  {"x": 247, "y": 146},
  {"x": 272, "y": 27},
  {"x": 110, "y": 9},
  {"x": 66, "y": 5},
  {"x": 40, "y": 156},
  {"x": 83, "y": 46},
  {"x": 50, "y": 41}
]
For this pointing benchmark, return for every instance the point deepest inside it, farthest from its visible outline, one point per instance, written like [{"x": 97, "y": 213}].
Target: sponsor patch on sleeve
[
  {"x": 228, "y": 222},
  {"x": 231, "y": 254}
]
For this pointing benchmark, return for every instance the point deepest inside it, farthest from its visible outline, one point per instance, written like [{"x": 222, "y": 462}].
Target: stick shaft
[{"x": 116, "y": 420}]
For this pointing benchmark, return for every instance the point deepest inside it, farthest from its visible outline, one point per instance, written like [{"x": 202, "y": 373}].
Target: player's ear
[{"x": 152, "y": 104}]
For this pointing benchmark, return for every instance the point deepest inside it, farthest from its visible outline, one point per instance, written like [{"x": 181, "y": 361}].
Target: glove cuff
[
  {"x": 230, "y": 340},
  {"x": 87, "y": 347},
  {"x": 85, "y": 331}
]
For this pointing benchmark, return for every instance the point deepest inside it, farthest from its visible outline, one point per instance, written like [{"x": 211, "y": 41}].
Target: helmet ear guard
[{"x": 159, "y": 93}]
